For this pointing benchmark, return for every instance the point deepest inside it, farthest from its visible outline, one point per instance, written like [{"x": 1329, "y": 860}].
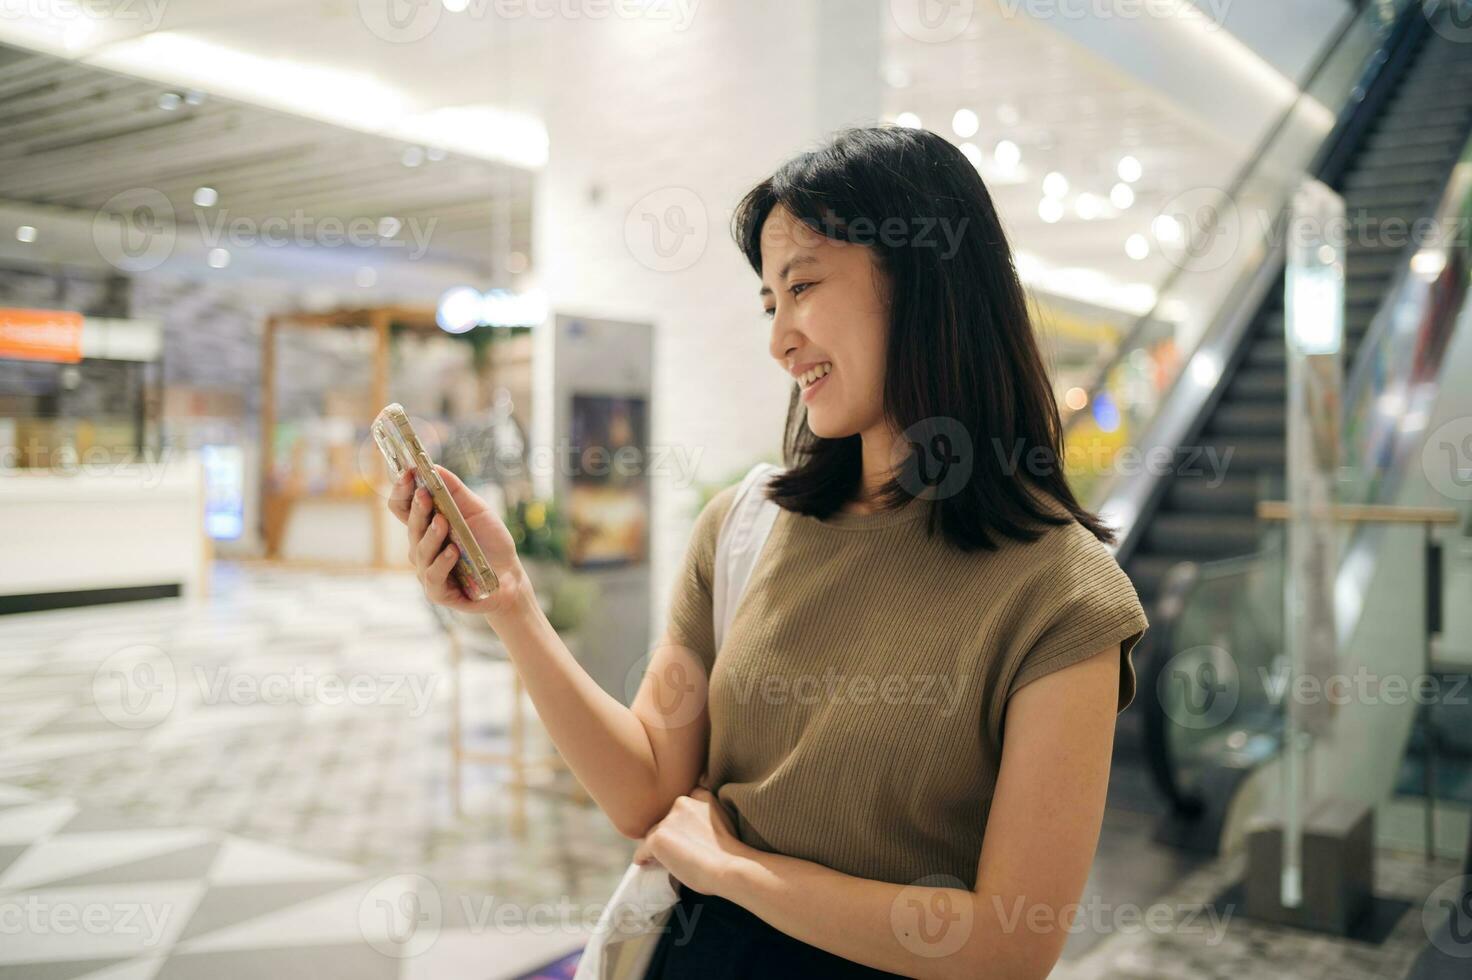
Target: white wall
[{"x": 633, "y": 117}]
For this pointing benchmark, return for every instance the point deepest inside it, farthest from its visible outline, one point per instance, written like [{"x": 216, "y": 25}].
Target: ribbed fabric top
[{"x": 857, "y": 704}]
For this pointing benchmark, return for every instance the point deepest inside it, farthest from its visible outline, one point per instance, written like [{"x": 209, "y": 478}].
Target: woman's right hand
[{"x": 433, "y": 555}]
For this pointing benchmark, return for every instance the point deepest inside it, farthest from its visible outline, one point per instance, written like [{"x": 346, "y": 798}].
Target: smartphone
[{"x": 403, "y": 451}]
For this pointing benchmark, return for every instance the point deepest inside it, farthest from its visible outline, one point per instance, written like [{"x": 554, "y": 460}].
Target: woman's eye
[
  {"x": 796, "y": 285},
  {"x": 769, "y": 312}
]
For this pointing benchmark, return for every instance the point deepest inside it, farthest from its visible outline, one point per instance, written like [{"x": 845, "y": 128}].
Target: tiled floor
[
  {"x": 268, "y": 771},
  {"x": 256, "y": 786}
]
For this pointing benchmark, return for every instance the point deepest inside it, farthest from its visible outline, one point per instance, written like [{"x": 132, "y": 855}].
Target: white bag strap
[{"x": 743, "y": 532}]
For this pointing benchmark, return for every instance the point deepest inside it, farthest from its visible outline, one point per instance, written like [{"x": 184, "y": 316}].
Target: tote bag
[{"x": 632, "y": 922}]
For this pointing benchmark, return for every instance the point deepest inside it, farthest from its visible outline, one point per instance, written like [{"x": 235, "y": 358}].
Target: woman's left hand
[{"x": 695, "y": 843}]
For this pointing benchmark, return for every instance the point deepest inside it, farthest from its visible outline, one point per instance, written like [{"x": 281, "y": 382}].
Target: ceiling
[
  {"x": 89, "y": 147},
  {"x": 73, "y": 134}
]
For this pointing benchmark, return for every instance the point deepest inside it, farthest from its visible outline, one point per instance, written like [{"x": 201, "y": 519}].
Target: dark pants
[{"x": 710, "y": 938}]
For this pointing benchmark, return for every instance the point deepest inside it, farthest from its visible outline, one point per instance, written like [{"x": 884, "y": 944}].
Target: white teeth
[{"x": 808, "y": 377}]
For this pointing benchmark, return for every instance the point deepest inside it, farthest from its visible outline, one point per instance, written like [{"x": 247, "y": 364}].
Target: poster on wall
[{"x": 608, "y": 497}]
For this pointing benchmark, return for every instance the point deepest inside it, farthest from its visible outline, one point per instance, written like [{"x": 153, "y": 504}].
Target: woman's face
[{"x": 827, "y": 305}]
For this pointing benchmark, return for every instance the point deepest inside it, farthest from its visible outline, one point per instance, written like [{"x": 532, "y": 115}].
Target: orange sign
[{"x": 41, "y": 335}]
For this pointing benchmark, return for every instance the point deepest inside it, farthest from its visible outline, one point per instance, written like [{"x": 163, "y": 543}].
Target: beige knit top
[{"x": 857, "y": 704}]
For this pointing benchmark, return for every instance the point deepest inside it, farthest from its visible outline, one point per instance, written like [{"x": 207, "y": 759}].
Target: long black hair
[{"x": 962, "y": 362}]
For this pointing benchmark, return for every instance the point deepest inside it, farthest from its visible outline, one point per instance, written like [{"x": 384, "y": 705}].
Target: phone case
[{"x": 403, "y": 450}]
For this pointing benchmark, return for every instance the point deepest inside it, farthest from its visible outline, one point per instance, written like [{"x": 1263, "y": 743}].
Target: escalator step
[
  {"x": 1258, "y": 384},
  {"x": 1358, "y": 180},
  {"x": 1267, "y": 352},
  {"x": 1401, "y": 156},
  {"x": 1449, "y": 137},
  {"x": 1203, "y": 536},
  {"x": 1251, "y": 454},
  {"x": 1213, "y": 495},
  {"x": 1405, "y": 119},
  {"x": 1265, "y": 418},
  {"x": 1415, "y": 196}
]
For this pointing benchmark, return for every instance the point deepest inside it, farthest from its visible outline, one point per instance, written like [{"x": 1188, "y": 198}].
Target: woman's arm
[
  {"x": 1041, "y": 835},
  {"x": 633, "y": 761}
]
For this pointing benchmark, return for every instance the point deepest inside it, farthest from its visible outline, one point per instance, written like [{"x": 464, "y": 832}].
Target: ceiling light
[
  {"x": 413, "y": 156},
  {"x": 965, "y": 123},
  {"x": 1007, "y": 154},
  {"x": 1050, "y": 209},
  {"x": 1137, "y": 247},
  {"x": 1166, "y": 229},
  {"x": 907, "y": 119},
  {"x": 1076, "y": 398},
  {"x": 206, "y": 197},
  {"x": 389, "y": 226},
  {"x": 219, "y": 258},
  {"x": 459, "y": 309},
  {"x": 26, "y": 234},
  {"x": 170, "y": 101},
  {"x": 456, "y": 6},
  {"x": 1129, "y": 169},
  {"x": 367, "y": 277},
  {"x": 1088, "y": 206},
  {"x": 357, "y": 99},
  {"x": 1121, "y": 196},
  {"x": 1055, "y": 184},
  {"x": 897, "y": 78},
  {"x": 972, "y": 153}
]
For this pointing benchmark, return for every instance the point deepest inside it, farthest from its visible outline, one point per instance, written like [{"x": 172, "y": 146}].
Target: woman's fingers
[
  {"x": 437, "y": 582},
  {"x": 420, "y": 511},
  {"x": 400, "y": 495},
  {"x": 432, "y": 541}
]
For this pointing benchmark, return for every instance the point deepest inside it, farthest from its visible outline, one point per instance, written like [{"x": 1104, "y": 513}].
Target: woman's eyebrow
[{"x": 791, "y": 264}]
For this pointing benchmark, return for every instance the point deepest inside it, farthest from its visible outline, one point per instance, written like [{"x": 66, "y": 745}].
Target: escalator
[
  {"x": 1390, "y": 179},
  {"x": 1389, "y": 155}
]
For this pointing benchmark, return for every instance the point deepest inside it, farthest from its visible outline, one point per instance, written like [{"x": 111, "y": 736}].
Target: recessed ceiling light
[
  {"x": 1137, "y": 247},
  {"x": 1050, "y": 209},
  {"x": 1129, "y": 169},
  {"x": 971, "y": 152},
  {"x": 219, "y": 258},
  {"x": 25, "y": 233},
  {"x": 907, "y": 119},
  {"x": 170, "y": 101},
  {"x": 1121, "y": 196},
  {"x": 1088, "y": 206},
  {"x": 1166, "y": 228},
  {"x": 965, "y": 123},
  {"x": 1055, "y": 184},
  {"x": 388, "y": 226},
  {"x": 1007, "y": 154},
  {"x": 206, "y": 197}
]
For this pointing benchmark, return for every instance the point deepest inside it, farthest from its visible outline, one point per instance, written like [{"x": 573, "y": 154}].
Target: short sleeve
[
  {"x": 691, "y": 619},
  {"x": 1084, "y": 604}
]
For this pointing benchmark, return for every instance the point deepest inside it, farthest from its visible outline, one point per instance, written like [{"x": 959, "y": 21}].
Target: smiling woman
[{"x": 904, "y": 734}]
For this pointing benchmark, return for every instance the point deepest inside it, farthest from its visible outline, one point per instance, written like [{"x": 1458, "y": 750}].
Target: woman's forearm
[
  {"x": 914, "y": 930},
  {"x": 603, "y": 742}
]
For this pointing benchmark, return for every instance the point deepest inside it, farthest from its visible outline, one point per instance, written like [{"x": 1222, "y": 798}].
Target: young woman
[{"x": 897, "y": 763}]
